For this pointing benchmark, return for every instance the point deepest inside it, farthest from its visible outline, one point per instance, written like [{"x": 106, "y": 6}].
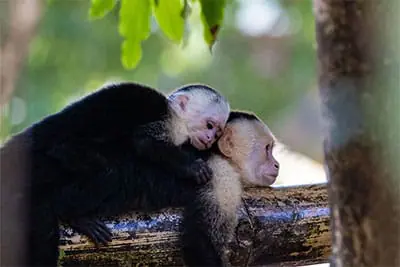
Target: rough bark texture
[
  {"x": 355, "y": 67},
  {"x": 276, "y": 225}
]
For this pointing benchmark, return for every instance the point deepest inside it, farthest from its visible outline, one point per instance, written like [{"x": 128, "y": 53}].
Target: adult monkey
[
  {"x": 88, "y": 152},
  {"x": 241, "y": 157}
]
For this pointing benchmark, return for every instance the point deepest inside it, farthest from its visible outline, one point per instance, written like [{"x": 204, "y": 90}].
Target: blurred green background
[{"x": 264, "y": 61}]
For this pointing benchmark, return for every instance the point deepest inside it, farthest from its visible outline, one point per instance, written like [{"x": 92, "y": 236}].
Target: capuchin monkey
[
  {"x": 86, "y": 160},
  {"x": 241, "y": 157}
]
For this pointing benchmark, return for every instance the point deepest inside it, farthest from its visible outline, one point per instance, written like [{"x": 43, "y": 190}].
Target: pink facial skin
[
  {"x": 268, "y": 172},
  {"x": 208, "y": 137},
  {"x": 207, "y": 133}
]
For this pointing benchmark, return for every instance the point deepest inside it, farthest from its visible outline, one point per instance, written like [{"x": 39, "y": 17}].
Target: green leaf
[
  {"x": 100, "y": 8},
  {"x": 134, "y": 26},
  {"x": 169, "y": 17},
  {"x": 212, "y": 14},
  {"x": 131, "y": 53},
  {"x": 134, "y": 19}
]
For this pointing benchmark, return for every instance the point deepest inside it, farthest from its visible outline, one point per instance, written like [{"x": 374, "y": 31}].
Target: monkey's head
[
  {"x": 204, "y": 112},
  {"x": 248, "y": 143}
]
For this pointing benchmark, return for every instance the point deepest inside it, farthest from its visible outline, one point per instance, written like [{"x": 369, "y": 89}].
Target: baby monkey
[{"x": 241, "y": 157}]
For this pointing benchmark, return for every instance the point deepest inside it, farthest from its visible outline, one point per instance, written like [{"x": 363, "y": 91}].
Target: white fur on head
[
  {"x": 196, "y": 105},
  {"x": 199, "y": 97}
]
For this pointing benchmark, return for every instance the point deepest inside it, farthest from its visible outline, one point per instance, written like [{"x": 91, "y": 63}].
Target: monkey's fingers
[
  {"x": 94, "y": 229},
  {"x": 207, "y": 173},
  {"x": 96, "y": 237},
  {"x": 203, "y": 176},
  {"x": 99, "y": 233},
  {"x": 103, "y": 230}
]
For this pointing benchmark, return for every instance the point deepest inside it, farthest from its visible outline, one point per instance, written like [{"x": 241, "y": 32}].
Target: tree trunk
[
  {"x": 22, "y": 19},
  {"x": 276, "y": 225},
  {"x": 357, "y": 71},
  {"x": 17, "y": 28}
]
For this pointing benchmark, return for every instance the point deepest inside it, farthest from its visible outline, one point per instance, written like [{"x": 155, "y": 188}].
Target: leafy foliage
[
  {"x": 135, "y": 28},
  {"x": 212, "y": 17},
  {"x": 100, "y": 8},
  {"x": 171, "y": 15}
]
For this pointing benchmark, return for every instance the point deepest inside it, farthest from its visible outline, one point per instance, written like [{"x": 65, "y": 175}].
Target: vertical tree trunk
[
  {"x": 357, "y": 70},
  {"x": 22, "y": 19},
  {"x": 17, "y": 26}
]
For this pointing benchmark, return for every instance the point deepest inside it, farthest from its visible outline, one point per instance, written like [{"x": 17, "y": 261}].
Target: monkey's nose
[{"x": 276, "y": 165}]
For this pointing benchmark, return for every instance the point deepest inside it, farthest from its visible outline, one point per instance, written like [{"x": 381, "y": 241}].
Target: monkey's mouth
[
  {"x": 271, "y": 178},
  {"x": 197, "y": 143}
]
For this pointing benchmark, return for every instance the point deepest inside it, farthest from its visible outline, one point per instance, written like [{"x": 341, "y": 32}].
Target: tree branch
[{"x": 283, "y": 225}]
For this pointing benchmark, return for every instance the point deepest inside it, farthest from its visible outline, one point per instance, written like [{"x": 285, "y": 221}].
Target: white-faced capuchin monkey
[
  {"x": 95, "y": 156},
  {"x": 241, "y": 157}
]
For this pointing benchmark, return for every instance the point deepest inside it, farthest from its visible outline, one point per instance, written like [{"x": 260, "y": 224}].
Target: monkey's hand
[
  {"x": 95, "y": 229},
  {"x": 200, "y": 170}
]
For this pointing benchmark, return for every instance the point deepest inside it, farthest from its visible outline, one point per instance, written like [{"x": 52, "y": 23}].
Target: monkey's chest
[{"x": 228, "y": 195}]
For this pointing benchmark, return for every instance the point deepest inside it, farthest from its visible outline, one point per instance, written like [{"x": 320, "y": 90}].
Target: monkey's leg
[
  {"x": 43, "y": 236},
  {"x": 79, "y": 205},
  {"x": 204, "y": 236}
]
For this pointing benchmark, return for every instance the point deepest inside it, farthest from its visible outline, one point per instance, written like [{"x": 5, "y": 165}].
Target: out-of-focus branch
[{"x": 23, "y": 18}]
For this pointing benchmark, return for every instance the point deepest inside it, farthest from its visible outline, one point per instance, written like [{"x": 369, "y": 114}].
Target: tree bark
[
  {"x": 357, "y": 67},
  {"x": 279, "y": 225},
  {"x": 21, "y": 21}
]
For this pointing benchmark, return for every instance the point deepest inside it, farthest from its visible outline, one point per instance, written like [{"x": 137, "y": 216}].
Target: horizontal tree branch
[{"x": 277, "y": 225}]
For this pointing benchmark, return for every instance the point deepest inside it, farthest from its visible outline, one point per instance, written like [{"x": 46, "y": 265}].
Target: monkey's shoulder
[
  {"x": 113, "y": 110},
  {"x": 132, "y": 101}
]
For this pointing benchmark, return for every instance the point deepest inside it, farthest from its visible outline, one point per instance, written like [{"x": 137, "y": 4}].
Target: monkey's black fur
[
  {"x": 154, "y": 189},
  {"x": 96, "y": 158},
  {"x": 205, "y": 227}
]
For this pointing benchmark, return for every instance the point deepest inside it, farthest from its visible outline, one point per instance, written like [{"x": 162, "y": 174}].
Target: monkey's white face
[
  {"x": 205, "y": 122},
  {"x": 254, "y": 144},
  {"x": 205, "y": 130},
  {"x": 204, "y": 119}
]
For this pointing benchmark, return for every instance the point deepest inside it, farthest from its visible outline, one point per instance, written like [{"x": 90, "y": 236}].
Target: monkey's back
[{"x": 113, "y": 111}]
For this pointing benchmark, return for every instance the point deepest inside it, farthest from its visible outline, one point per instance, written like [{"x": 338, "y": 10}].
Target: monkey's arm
[
  {"x": 81, "y": 203},
  {"x": 172, "y": 158}
]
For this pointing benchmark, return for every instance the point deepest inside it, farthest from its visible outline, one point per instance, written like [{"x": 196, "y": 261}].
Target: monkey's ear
[
  {"x": 182, "y": 101},
  {"x": 225, "y": 143}
]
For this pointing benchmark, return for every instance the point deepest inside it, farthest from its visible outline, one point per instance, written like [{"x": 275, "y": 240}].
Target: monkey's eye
[
  {"x": 267, "y": 147},
  {"x": 210, "y": 126}
]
